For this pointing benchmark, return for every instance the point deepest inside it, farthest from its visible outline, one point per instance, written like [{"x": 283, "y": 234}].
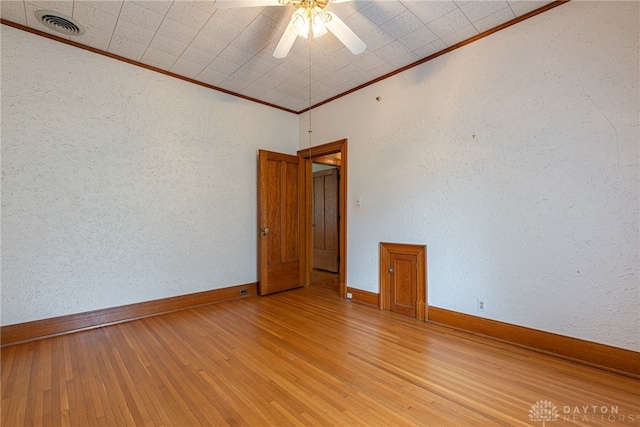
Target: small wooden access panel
[{"x": 403, "y": 284}]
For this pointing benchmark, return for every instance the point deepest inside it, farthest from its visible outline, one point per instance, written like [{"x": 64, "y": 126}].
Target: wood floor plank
[
  {"x": 53, "y": 412},
  {"x": 303, "y": 357},
  {"x": 108, "y": 364},
  {"x": 18, "y": 408},
  {"x": 138, "y": 368},
  {"x": 12, "y": 361},
  {"x": 36, "y": 385}
]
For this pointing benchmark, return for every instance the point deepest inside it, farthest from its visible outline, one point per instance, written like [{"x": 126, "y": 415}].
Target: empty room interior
[{"x": 345, "y": 213}]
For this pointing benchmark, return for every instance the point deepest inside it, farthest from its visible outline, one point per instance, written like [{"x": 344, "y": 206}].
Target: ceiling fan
[{"x": 308, "y": 18}]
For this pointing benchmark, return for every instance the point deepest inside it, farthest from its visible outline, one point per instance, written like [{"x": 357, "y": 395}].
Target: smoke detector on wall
[{"x": 59, "y": 22}]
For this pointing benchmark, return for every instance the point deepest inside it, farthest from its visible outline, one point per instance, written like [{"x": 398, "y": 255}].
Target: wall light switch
[{"x": 358, "y": 201}]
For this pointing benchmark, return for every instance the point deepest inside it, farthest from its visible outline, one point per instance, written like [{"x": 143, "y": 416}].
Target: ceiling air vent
[{"x": 59, "y": 22}]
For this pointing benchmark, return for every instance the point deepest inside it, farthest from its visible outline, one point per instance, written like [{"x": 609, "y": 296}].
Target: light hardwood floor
[{"x": 303, "y": 357}]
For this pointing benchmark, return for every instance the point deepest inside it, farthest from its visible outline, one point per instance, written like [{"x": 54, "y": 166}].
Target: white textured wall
[
  {"x": 515, "y": 159},
  {"x": 121, "y": 185}
]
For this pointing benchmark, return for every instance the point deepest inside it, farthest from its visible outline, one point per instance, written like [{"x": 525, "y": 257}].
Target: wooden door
[
  {"x": 325, "y": 220},
  {"x": 281, "y": 245},
  {"x": 403, "y": 279},
  {"x": 403, "y": 274}
]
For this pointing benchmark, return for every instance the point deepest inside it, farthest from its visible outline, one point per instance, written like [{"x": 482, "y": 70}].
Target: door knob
[
  {"x": 391, "y": 270},
  {"x": 265, "y": 231}
]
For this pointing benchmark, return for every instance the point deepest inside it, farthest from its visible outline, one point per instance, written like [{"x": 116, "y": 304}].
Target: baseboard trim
[
  {"x": 613, "y": 359},
  {"x": 364, "y": 297},
  {"x": 45, "y": 328}
]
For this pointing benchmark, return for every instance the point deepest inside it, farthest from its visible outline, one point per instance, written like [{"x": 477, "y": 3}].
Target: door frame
[{"x": 339, "y": 146}]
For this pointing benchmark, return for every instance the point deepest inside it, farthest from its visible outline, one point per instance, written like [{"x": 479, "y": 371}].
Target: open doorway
[
  {"x": 326, "y": 261},
  {"x": 325, "y": 232}
]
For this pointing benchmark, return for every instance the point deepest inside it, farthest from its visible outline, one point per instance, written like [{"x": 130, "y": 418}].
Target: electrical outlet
[
  {"x": 243, "y": 291},
  {"x": 349, "y": 295},
  {"x": 481, "y": 305}
]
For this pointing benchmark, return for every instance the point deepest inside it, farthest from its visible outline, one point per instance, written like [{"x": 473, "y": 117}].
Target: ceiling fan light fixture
[
  {"x": 301, "y": 22},
  {"x": 318, "y": 21},
  {"x": 310, "y": 20},
  {"x": 310, "y": 17}
]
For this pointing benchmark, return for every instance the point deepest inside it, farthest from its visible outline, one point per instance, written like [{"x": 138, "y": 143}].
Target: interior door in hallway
[
  {"x": 281, "y": 237},
  {"x": 326, "y": 248}
]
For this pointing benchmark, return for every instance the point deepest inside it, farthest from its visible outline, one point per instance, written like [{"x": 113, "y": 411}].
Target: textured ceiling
[{"x": 232, "y": 49}]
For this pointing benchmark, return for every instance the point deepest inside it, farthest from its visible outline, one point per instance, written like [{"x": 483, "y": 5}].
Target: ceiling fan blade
[
  {"x": 345, "y": 35},
  {"x": 228, "y": 4},
  {"x": 286, "y": 41}
]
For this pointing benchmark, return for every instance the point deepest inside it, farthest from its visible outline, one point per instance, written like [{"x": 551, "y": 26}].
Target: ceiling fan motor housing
[{"x": 310, "y": 4}]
